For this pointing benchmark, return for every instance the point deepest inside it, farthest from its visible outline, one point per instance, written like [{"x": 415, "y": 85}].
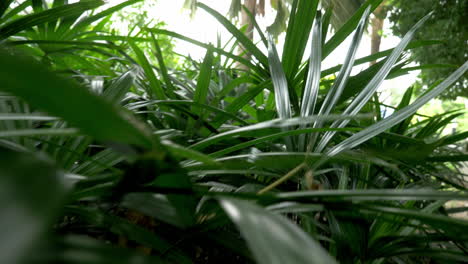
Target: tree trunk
[
  {"x": 245, "y": 20},
  {"x": 377, "y": 23}
]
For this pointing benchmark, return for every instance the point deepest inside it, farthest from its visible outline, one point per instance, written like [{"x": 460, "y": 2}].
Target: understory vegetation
[{"x": 112, "y": 151}]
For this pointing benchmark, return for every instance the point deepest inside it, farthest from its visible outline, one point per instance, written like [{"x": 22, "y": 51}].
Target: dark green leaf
[
  {"x": 272, "y": 238},
  {"x": 72, "y": 102}
]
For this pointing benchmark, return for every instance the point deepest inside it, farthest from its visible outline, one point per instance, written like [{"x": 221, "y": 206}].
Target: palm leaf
[
  {"x": 368, "y": 91},
  {"x": 45, "y": 16},
  {"x": 399, "y": 116},
  {"x": 70, "y": 101},
  {"x": 256, "y": 225}
]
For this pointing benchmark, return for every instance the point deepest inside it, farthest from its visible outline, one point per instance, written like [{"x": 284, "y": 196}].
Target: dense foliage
[
  {"x": 448, "y": 23},
  {"x": 109, "y": 154}
]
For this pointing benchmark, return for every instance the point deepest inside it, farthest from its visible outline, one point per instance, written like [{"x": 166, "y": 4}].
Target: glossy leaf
[
  {"x": 272, "y": 238},
  {"x": 367, "y": 92},
  {"x": 297, "y": 35},
  {"x": 39, "y": 18},
  {"x": 399, "y": 116}
]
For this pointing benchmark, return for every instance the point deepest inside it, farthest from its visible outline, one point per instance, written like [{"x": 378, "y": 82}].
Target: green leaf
[
  {"x": 271, "y": 137},
  {"x": 372, "y": 195},
  {"x": 230, "y": 86},
  {"x": 72, "y": 102},
  {"x": 405, "y": 101},
  {"x": 373, "y": 84},
  {"x": 280, "y": 84},
  {"x": 412, "y": 45},
  {"x": 268, "y": 124},
  {"x": 282, "y": 162},
  {"x": 203, "y": 83},
  {"x": 31, "y": 193},
  {"x": 207, "y": 46},
  {"x": 156, "y": 89},
  {"x": 90, "y": 19},
  {"x": 175, "y": 103},
  {"x": 452, "y": 225},
  {"x": 49, "y": 15},
  {"x": 162, "y": 67},
  {"x": 271, "y": 237},
  {"x": 39, "y": 132},
  {"x": 180, "y": 151},
  {"x": 4, "y": 6},
  {"x": 38, "y": 5},
  {"x": 103, "y": 160},
  {"x": 311, "y": 89},
  {"x": 341, "y": 80},
  {"x": 435, "y": 124},
  {"x": 17, "y": 116},
  {"x": 398, "y": 116},
  {"x": 201, "y": 94},
  {"x": 447, "y": 140},
  {"x": 62, "y": 43},
  {"x": 117, "y": 90},
  {"x": 326, "y": 23},
  {"x": 241, "y": 37},
  {"x": 242, "y": 101},
  {"x": 297, "y": 35},
  {"x": 368, "y": 91},
  {"x": 12, "y": 12}
]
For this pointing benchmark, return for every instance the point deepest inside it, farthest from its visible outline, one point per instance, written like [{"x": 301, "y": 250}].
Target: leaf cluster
[{"x": 448, "y": 24}]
